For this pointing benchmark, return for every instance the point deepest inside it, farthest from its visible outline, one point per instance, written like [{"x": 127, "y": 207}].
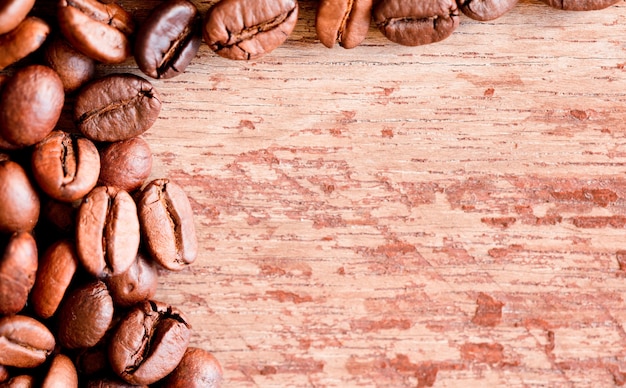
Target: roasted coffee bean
[
  {"x": 416, "y": 22},
  {"x": 65, "y": 166},
  {"x": 343, "y": 21},
  {"x": 18, "y": 266},
  {"x": 27, "y": 37},
  {"x": 100, "y": 31},
  {"x": 56, "y": 270},
  {"x": 19, "y": 202},
  {"x": 111, "y": 383},
  {"x": 580, "y": 5},
  {"x": 24, "y": 341},
  {"x": 148, "y": 343},
  {"x": 61, "y": 215},
  {"x": 198, "y": 369},
  {"x": 93, "y": 361},
  {"x": 4, "y": 374},
  {"x": 61, "y": 373},
  {"x": 74, "y": 68},
  {"x": 85, "y": 316},
  {"x": 167, "y": 225},
  {"x": 21, "y": 381},
  {"x": 12, "y": 12},
  {"x": 116, "y": 107},
  {"x": 137, "y": 284},
  {"x": 107, "y": 231},
  {"x": 126, "y": 164},
  {"x": 168, "y": 40},
  {"x": 249, "y": 29},
  {"x": 484, "y": 10},
  {"x": 30, "y": 105}
]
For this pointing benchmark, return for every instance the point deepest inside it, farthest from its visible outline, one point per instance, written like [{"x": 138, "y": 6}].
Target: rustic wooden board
[{"x": 450, "y": 215}]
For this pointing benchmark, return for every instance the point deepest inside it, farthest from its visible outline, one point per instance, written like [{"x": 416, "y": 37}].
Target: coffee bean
[
  {"x": 65, "y": 166},
  {"x": 4, "y": 374},
  {"x": 19, "y": 202},
  {"x": 73, "y": 67},
  {"x": 167, "y": 226},
  {"x": 12, "y": 12},
  {"x": 27, "y": 37},
  {"x": 24, "y": 341},
  {"x": 416, "y": 22},
  {"x": 126, "y": 164},
  {"x": 56, "y": 270},
  {"x": 61, "y": 373},
  {"x": 136, "y": 285},
  {"x": 198, "y": 369},
  {"x": 85, "y": 316},
  {"x": 168, "y": 40},
  {"x": 343, "y": 21},
  {"x": 94, "y": 361},
  {"x": 580, "y": 5},
  {"x": 249, "y": 29},
  {"x": 30, "y": 105},
  {"x": 18, "y": 266},
  {"x": 107, "y": 231},
  {"x": 148, "y": 343},
  {"x": 100, "y": 31},
  {"x": 116, "y": 107},
  {"x": 484, "y": 10},
  {"x": 21, "y": 381},
  {"x": 60, "y": 215}
]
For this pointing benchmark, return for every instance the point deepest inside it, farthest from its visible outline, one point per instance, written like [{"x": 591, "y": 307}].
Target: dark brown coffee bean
[
  {"x": 343, "y": 21},
  {"x": 167, "y": 225},
  {"x": 416, "y": 22},
  {"x": 168, "y": 40},
  {"x": 249, "y": 29},
  {"x": 85, "y": 316},
  {"x": 12, "y": 12},
  {"x": 148, "y": 343},
  {"x": 65, "y": 166},
  {"x": 18, "y": 266},
  {"x": 30, "y": 105},
  {"x": 126, "y": 164},
  {"x": 198, "y": 369},
  {"x": 21, "y": 381},
  {"x": 137, "y": 284},
  {"x": 56, "y": 270},
  {"x": 61, "y": 373},
  {"x": 19, "y": 202},
  {"x": 27, "y": 37},
  {"x": 484, "y": 10},
  {"x": 111, "y": 383},
  {"x": 107, "y": 232},
  {"x": 580, "y": 5},
  {"x": 116, "y": 107},
  {"x": 24, "y": 341},
  {"x": 100, "y": 31},
  {"x": 74, "y": 68},
  {"x": 94, "y": 361}
]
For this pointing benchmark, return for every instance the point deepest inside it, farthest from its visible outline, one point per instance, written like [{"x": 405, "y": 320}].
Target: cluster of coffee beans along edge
[{"x": 84, "y": 233}]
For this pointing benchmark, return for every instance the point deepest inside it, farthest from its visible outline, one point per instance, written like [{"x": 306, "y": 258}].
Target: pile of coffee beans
[{"x": 84, "y": 232}]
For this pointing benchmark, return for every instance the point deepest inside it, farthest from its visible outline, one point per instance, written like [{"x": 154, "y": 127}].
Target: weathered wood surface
[{"x": 451, "y": 215}]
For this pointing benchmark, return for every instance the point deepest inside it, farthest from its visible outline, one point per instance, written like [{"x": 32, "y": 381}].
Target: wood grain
[{"x": 451, "y": 215}]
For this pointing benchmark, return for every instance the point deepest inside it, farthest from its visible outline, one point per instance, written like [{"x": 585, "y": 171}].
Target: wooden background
[{"x": 450, "y": 215}]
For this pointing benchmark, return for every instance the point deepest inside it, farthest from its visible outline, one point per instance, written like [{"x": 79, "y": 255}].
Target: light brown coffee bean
[
  {"x": 85, "y": 316},
  {"x": 21, "y": 381},
  {"x": 18, "y": 266},
  {"x": 125, "y": 164},
  {"x": 100, "y": 31},
  {"x": 167, "y": 224},
  {"x": 27, "y": 37},
  {"x": 343, "y": 21},
  {"x": 74, "y": 68},
  {"x": 56, "y": 270},
  {"x": 19, "y": 202},
  {"x": 13, "y": 12},
  {"x": 24, "y": 341},
  {"x": 198, "y": 369},
  {"x": 137, "y": 284},
  {"x": 61, "y": 373},
  {"x": 107, "y": 232},
  {"x": 65, "y": 166}
]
